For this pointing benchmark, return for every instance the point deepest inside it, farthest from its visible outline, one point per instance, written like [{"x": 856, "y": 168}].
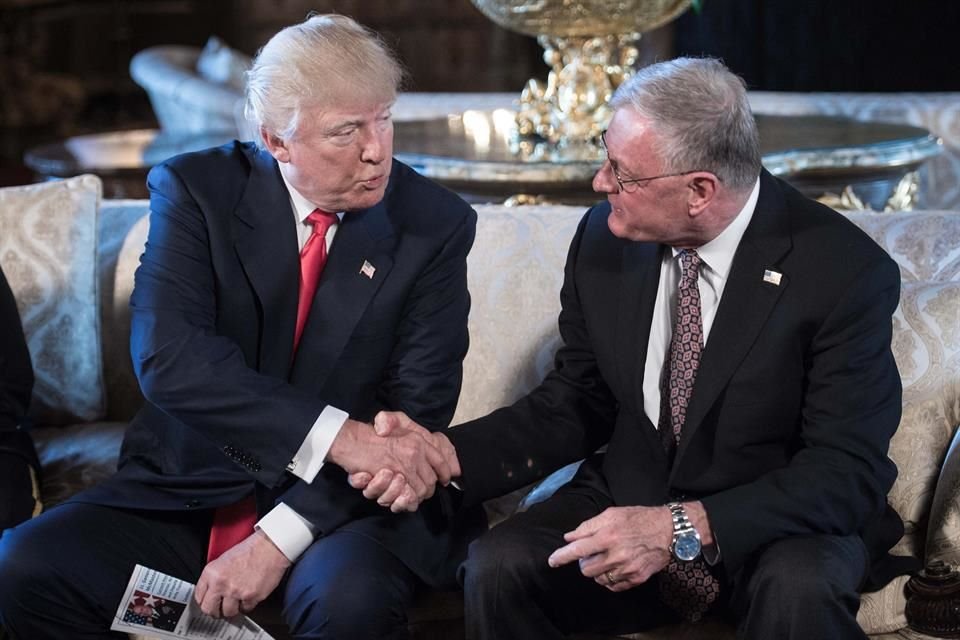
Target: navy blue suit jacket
[
  {"x": 213, "y": 314},
  {"x": 795, "y": 402}
]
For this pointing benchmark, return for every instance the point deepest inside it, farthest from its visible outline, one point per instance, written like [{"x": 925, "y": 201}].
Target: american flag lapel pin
[
  {"x": 773, "y": 277},
  {"x": 368, "y": 269}
]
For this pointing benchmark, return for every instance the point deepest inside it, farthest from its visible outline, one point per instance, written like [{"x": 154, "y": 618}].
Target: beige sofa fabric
[
  {"x": 48, "y": 249},
  {"x": 926, "y": 244},
  {"x": 515, "y": 272}
]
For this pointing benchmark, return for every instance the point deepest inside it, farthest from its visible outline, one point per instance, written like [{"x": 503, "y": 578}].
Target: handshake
[{"x": 397, "y": 462}]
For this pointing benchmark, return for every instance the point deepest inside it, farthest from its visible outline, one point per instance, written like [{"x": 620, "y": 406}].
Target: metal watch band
[{"x": 681, "y": 523}]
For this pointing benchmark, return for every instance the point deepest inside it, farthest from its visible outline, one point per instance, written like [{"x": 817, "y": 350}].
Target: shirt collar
[
  {"x": 718, "y": 253},
  {"x": 301, "y": 206}
]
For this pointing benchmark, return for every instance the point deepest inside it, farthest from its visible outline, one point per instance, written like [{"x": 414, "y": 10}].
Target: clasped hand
[{"x": 398, "y": 463}]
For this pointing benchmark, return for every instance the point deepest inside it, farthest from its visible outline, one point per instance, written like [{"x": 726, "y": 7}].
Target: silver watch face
[{"x": 687, "y": 546}]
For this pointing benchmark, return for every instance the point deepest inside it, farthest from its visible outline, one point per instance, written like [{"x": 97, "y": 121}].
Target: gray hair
[
  {"x": 701, "y": 115},
  {"x": 320, "y": 62}
]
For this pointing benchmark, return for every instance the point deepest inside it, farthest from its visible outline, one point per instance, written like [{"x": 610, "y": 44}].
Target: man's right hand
[
  {"x": 389, "y": 488},
  {"x": 406, "y": 456}
]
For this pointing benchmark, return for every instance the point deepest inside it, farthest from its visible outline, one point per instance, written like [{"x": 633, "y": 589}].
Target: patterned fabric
[
  {"x": 925, "y": 244},
  {"x": 686, "y": 587},
  {"x": 683, "y": 359},
  {"x": 926, "y": 345},
  {"x": 48, "y": 250}
]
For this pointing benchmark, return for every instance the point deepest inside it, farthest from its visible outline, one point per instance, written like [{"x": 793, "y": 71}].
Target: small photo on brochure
[{"x": 152, "y": 611}]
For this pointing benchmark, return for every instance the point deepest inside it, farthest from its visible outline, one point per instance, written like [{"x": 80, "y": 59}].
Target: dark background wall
[
  {"x": 830, "y": 45},
  {"x": 64, "y": 63}
]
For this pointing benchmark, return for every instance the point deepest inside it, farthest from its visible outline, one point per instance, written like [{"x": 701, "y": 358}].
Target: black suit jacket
[
  {"x": 213, "y": 314},
  {"x": 16, "y": 372},
  {"x": 16, "y": 379},
  {"x": 796, "y": 398}
]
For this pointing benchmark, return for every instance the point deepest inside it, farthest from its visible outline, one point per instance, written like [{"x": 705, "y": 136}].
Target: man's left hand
[
  {"x": 241, "y": 578},
  {"x": 620, "y": 548}
]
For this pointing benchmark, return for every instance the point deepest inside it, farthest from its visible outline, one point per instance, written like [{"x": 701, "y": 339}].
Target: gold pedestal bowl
[{"x": 590, "y": 47}]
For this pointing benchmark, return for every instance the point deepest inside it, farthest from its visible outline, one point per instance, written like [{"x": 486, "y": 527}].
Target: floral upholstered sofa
[{"x": 70, "y": 258}]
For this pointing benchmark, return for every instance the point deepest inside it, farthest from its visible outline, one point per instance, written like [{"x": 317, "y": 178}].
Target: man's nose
[
  {"x": 373, "y": 147},
  {"x": 604, "y": 181}
]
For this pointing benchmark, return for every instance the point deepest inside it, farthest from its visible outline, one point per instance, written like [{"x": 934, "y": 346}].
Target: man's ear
[
  {"x": 276, "y": 145},
  {"x": 701, "y": 190}
]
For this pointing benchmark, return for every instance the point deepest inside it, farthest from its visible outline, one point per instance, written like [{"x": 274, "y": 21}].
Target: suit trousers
[
  {"x": 800, "y": 587},
  {"x": 64, "y": 574}
]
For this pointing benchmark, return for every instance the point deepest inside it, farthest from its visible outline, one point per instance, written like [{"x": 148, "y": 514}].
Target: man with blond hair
[{"x": 289, "y": 290}]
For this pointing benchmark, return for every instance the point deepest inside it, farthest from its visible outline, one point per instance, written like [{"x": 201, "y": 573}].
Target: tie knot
[
  {"x": 690, "y": 263},
  {"x": 321, "y": 220}
]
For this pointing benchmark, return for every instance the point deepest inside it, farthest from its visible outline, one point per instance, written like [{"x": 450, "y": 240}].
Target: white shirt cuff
[
  {"x": 288, "y": 530},
  {"x": 309, "y": 458}
]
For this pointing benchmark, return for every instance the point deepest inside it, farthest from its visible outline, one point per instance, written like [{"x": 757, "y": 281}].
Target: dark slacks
[
  {"x": 803, "y": 587},
  {"x": 62, "y": 575}
]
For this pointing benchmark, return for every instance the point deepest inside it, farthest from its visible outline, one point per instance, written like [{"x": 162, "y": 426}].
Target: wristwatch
[{"x": 686, "y": 541}]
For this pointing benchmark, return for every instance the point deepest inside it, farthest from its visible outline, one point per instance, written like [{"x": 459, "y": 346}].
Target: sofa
[
  {"x": 70, "y": 258},
  {"x": 193, "y": 90}
]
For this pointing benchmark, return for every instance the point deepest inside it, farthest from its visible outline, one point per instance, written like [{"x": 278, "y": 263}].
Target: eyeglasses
[{"x": 634, "y": 182}]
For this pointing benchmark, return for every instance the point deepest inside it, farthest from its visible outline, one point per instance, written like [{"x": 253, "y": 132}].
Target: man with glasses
[
  {"x": 289, "y": 290},
  {"x": 727, "y": 341}
]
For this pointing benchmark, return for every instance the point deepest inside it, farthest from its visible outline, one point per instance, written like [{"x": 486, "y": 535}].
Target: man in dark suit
[
  {"x": 253, "y": 381},
  {"x": 728, "y": 341},
  {"x": 18, "y": 459}
]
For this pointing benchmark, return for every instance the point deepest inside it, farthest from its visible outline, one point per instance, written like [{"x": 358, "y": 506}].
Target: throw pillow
[
  {"x": 48, "y": 252},
  {"x": 220, "y": 64}
]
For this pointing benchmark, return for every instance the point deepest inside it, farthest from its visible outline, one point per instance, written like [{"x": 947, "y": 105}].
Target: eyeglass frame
[{"x": 621, "y": 182}]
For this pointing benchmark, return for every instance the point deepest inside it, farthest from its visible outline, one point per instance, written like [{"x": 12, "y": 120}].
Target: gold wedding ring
[{"x": 610, "y": 579}]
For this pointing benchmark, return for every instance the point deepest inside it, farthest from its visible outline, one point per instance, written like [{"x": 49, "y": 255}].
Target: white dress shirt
[
  {"x": 287, "y": 529},
  {"x": 716, "y": 257}
]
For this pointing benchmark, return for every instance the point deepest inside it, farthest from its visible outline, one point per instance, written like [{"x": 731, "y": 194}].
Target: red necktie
[
  {"x": 312, "y": 258},
  {"x": 686, "y": 587},
  {"x": 234, "y": 522}
]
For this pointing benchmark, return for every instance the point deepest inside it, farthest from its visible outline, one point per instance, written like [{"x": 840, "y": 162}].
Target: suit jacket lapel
[
  {"x": 640, "y": 278},
  {"x": 265, "y": 240},
  {"x": 745, "y": 306},
  {"x": 343, "y": 292}
]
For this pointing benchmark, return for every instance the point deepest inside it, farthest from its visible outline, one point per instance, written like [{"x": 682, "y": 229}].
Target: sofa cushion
[
  {"x": 926, "y": 344},
  {"x": 925, "y": 244},
  {"x": 48, "y": 250},
  {"x": 514, "y": 275},
  {"x": 122, "y": 236}
]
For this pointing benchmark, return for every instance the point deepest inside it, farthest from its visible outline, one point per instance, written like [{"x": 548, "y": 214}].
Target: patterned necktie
[
  {"x": 686, "y": 587},
  {"x": 234, "y": 522}
]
